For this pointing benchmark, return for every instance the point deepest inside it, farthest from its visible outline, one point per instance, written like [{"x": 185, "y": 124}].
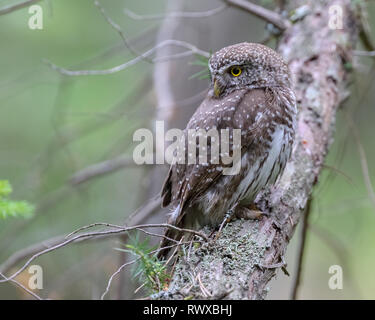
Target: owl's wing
[{"x": 240, "y": 110}]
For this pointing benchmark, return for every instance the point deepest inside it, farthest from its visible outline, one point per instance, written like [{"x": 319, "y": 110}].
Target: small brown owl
[{"x": 251, "y": 91}]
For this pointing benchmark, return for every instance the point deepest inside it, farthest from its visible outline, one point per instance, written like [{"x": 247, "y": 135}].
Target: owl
[{"x": 251, "y": 91}]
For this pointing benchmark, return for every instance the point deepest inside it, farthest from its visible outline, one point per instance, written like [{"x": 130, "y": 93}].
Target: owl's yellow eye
[{"x": 236, "y": 71}]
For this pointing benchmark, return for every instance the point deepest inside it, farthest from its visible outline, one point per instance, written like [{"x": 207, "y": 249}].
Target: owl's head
[{"x": 246, "y": 65}]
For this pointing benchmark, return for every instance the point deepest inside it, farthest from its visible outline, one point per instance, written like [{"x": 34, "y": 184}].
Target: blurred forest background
[{"x": 52, "y": 126}]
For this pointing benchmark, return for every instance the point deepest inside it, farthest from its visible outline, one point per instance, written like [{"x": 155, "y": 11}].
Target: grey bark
[{"x": 247, "y": 255}]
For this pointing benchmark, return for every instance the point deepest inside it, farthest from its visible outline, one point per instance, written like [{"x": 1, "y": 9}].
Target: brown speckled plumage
[{"x": 262, "y": 104}]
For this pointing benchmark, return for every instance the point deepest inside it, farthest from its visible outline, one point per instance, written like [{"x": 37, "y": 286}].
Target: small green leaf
[
  {"x": 10, "y": 208},
  {"x": 5, "y": 188}
]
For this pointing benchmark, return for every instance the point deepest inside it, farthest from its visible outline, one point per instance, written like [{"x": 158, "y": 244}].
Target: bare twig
[
  {"x": 17, "y": 6},
  {"x": 135, "y": 218},
  {"x": 301, "y": 251},
  {"x": 204, "y": 290},
  {"x": 116, "y": 273},
  {"x": 340, "y": 172},
  {"x": 31, "y": 250},
  {"x": 363, "y": 158},
  {"x": 340, "y": 250},
  {"x": 140, "y": 226},
  {"x": 115, "y": 231},
  {"x": 132, "y": 262},
  {"x": 365, "y": 29},
  {"x": 261, "y": 12},
  {"x": 22, "y": 287},
  {"x": 117, "y": 227},
  {"x": 332, "y": 242},
  {"x": 116, "y": 27},
  {"x": 176, "y": 14},
  {"x": 101, "y": 168},
  {"x": 191, "y": 50},
  {"x": 364, "y": 53}
]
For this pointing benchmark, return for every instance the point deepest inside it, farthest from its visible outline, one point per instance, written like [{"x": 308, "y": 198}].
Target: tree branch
[
  {"x": 54, "y": 243},
  {"x": 101, "y": 168},
  {"x": 246, "y": 256},
  {"x": 114, "y": 230},
  {"x": 20, "y": 285},
  {"x": 117, "y": 28},
  {"x": 17, "y": 6},
  {"x": 191, "y": 50},
  {"x": 175, "y": 14},
  {"x": 261, "y": 12}
]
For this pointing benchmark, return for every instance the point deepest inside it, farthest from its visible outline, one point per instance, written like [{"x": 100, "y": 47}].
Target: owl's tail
[
  {"x": 181, "y": 217},
  {"x": 166, "y": 244},
  {"x": 170, "y": 235}
]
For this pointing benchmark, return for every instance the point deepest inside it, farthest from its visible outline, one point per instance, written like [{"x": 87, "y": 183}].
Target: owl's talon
[
  {"x": 228, "y": 216},
  {"x": 249, "y": 214}
]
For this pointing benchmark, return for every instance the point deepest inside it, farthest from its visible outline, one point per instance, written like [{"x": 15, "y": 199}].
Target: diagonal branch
[
  {"x": 116, "y": 27},
  {"x": 17, "y": 6},
  {"x": 301, "y": 251},
  {"x": 190, "y": 50},
  {"x": 20, "y": 285},
  {"x": 101, "y": 168},
  {"x": 261, "y": 12},
  {"x": 176, "y": 14}
]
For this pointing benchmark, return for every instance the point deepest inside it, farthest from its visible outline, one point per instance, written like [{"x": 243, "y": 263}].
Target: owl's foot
[{"x": 252, "y": 213}]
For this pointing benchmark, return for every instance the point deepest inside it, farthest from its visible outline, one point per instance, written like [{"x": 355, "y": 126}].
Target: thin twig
[
  {"x": 301, "y": 250},
  {"x": 176, "y": 14},
  {"x": 365, "y": 29},
  {"x": 101, "y": 168},
  {"x": 131, "y": 262},
  {"x": 337, "y": 247},
  {"x": 261, "y": 12},
  {"x": 343, "y": 174},
  {"x": 17, "y": 6},
  {"x": 157, "y": 235},
  {"x": 363, "y": 158},
  {"x": 61, "y": 245},
  {"x": 183, "y": 44},
  {"x": 364, "y": 53},
  {"x": 116, "y": 231},
  {"x": 202, "y": 287},
  {"x": 135, "y": 218},
  {"x": 116, "y": 273},
  {"x": 140, "y": 226},
  {"x": 116, "y": 27},
  {"x": 22, "y": 287}
]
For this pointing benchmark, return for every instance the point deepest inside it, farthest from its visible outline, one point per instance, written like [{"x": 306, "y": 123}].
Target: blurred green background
[{"x": 51, "y": 126}]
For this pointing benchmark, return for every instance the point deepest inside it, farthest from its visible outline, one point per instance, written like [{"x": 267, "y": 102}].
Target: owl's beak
[{"x": 217, "y": 89}]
